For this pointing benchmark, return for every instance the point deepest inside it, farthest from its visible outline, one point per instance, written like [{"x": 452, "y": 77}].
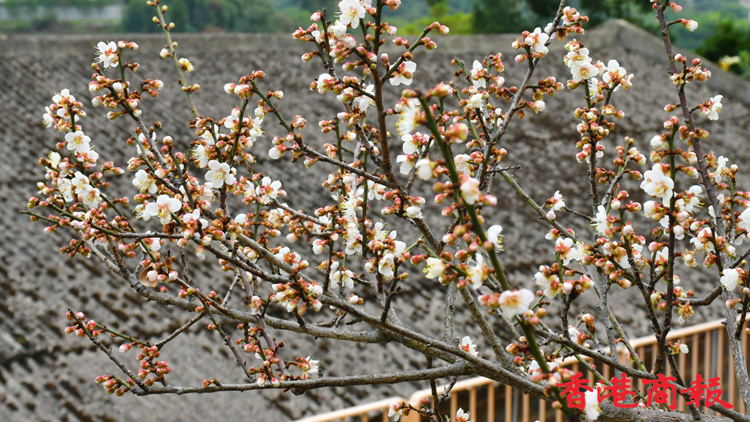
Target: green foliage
[
  {"x": 498, "y": 16},
  {"x": 137, "y": 17},
  {"x": 459, "y": 23},
  {"x": 213, "y": 15},
  {"x": 730, "y": 39},
  {"x": 543, "y": 8},
  {"x": 37, "y": 3},
  {"x": 600, "y": 11}
]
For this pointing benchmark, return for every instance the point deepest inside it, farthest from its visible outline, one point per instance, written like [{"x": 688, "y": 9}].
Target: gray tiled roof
[{"x": 47, "y": 375}]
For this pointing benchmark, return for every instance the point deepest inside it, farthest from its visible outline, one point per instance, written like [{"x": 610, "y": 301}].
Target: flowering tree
[{"x": 210, "y": 200}]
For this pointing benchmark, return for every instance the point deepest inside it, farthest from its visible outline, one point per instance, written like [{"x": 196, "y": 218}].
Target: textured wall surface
[{"x": 47, "y": 375}]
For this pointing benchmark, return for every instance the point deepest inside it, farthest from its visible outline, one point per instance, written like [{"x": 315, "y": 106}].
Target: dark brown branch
[{"x": 301, "y": 386}]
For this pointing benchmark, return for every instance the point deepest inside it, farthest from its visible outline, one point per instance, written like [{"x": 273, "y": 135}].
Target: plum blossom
[
  {"x": 434, "y": 269},
  {"x": 363, "y": 102},
  {"x": 79, "y": 180},
  {"x": 54, "y": 159},
  {"x": 744, "y": 220},
  {"x": 721, "y": 169},
  {"x": 424, "y": 169},
  {"x": 404, "y": 73},
  {"x": 90, "y": 196},
  {"x": 475, "y": 101},
  {"x": 164, "y": 207},
  {"x": 577, "y": 57},
  {"x": 108, "y": 56},
  {"x": 47, "y": 118},
  {"x": 78, "y": 142},
  {"x": 658, "y": 184},
  {"x": 613, "y": 73},
  {"x": 200, "y": 156},
  {"x": 462, "y": 163},
  {"x": 713, "y": 108},
  {"x": 310, "y": 367},
  {"x": 462, "y": 416},
  {"x": 408, "y": 113},
  {"x": 703, "y": 241},
  {"x": 90, "y": 156},
  {"x": 546, "y": 282},
  {"x": 575, "y": 335},
  {"x": 535, "y": 369},
  {"x": 478, "y": 272},
  {"x": 407, "y": 163},
  {"x": 394, "y": 411},
  {"x": 470, "y": 190},
  {"x": 515, "y": 302},
  {"x": 570, "y": 15},
  {"x": 325, "y": 82},
  {"x": 691, "y": 200},
  {"x": 568, "y": 250},
  {"x": 411, "y": 143},
  {"x": 268, "y": 190},
  {"x": 584, "y": 71},
  {"x": 536, "y": 41},
  {"x": 338, "y": 29},
  {"x": 291, "y": 258},
  {"x": 386, "y": 266},
  {"x": 730, "y": 278},
  {"x": 352, "y": 11},
  {"x": 592, "y": 409},
  {"x": 66, "y": 189},
  {"x": 194, "y": 218},
  {"x": 343, "y": 277},
  {"x": 186, "y": 65},
  {"x": 63, "y": 100},
  {"x": 220, "y": 173},
  {"x": 557, "y": 201},
  {"x": 468, "y": 346},
  {"x": 144, "y": 182},
  {"x": 414, "y": 212},
  {"x": 477, "y": 77},
  {"x": 657, "y": 143},
  {"x": 600, "y": 221},
  {"x": 494, "y": 236}
]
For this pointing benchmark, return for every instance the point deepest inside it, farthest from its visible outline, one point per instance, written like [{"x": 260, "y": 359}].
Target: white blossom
[
  {"x": 404, "y": 73},
  {"x": 477, "y": 80},
  {"x": 470, "y": 190},
  {"x": 220, "y": 173},
  {"x": 658, "y": 184},
  {"x": 494, "y": 236},
  {"x": 268, "y": 190},
  {"x": 714, "y": 107},
  {"x": 600, "y": 221},
  {"x": 434, "y": 268},
  {"x": 468, "y": 346},
  {"x": 108, "y": 56},
  {"x": 164, "y": 207},
  {"x": 592, "y": 409},
  {"x": 730, "y": 278},
  {"x": 144, "y": 182},
  {"x": 352, "y": 11},
  {"x": 536, "y": 41},
  {"x": 462, "y": 416},
  {"x": 515, "y": 302},
  {"x": 78, "y": 142}
]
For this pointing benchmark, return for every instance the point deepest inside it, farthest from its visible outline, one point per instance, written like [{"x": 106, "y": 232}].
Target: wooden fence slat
[{"x": 713, "y": 365}]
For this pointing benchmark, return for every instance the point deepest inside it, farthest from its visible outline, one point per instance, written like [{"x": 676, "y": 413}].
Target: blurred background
[
  {"x": 48, "y": 45},
  {"x": 724, "y": 36}
]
